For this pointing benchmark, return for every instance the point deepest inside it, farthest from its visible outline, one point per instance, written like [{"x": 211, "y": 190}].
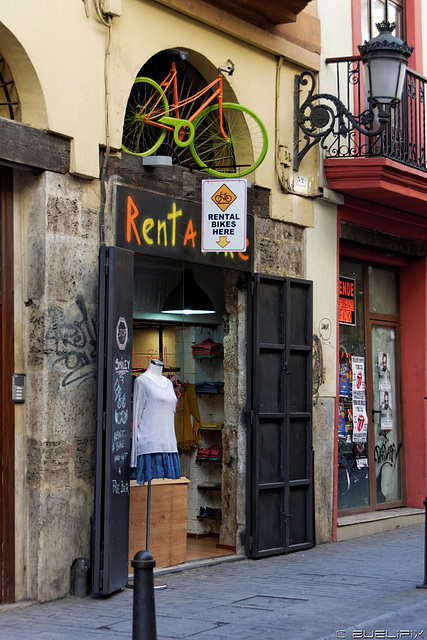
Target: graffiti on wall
[
  {"x": 71, "y": 337},
  {"x": 318, "y": 373},
  {"x": 386, "y": 452},
  {"x": 323, "y": 337}
]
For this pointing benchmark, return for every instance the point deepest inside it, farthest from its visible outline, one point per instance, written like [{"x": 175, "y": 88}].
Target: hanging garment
[{"x": 187, "y": 418}]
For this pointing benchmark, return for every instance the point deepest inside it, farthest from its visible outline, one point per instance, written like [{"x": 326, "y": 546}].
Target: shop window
[
  {"x": 9, "y": 101},
  {"x": 370, "y": 443},
  {"x": 382, "y": 282}
]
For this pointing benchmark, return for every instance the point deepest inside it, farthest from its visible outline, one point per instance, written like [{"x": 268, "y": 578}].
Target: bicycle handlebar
[{"x": 229, "y": 70}]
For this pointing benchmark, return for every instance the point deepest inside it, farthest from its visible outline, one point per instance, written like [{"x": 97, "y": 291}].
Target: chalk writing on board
[
  {"x": 120, "y": 413},
  {"x": 120, "y": 486},
  {"x": 119, "y": 441},
  {"x": 119, "y": 396},
  {"x": 121, "y": 367}
]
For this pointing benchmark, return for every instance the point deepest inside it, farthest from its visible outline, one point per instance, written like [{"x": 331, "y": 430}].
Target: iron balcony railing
[{"x": 326, "y": 120}]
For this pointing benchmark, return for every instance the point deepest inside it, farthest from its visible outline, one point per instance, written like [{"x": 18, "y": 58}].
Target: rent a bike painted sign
[{"x": 158, "y": 225}]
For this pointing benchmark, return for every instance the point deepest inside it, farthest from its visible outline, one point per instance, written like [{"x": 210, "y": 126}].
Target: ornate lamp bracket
[{"x": 317, "y": 120}]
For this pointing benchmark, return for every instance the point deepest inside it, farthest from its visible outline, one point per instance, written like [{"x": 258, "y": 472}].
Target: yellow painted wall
[{"x": 63, "y": 59}]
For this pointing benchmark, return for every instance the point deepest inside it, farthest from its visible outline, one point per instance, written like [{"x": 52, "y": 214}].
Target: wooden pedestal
[{"x": 168, "y": 521}]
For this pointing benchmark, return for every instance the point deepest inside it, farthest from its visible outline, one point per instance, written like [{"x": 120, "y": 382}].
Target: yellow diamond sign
[{"x": 224, "y": 197}]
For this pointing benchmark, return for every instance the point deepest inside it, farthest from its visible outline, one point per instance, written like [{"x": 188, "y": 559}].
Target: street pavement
[{"x": 363, "y": 588}]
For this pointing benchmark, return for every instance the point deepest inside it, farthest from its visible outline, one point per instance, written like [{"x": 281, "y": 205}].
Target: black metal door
[
  {"x": 280, "y": 454},
  {"x": 111, "y": 519}
]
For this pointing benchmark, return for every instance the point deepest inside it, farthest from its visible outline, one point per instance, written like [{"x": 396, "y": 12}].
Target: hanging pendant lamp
[{"x": 187, "y": 298}]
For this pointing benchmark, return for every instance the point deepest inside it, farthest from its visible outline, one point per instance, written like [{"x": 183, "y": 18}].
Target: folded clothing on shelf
[
  {"x": 208, "y": 386},
  {"x": 209, "y": 453},
  {"x": 212, "y": 426},
  {"x": 208, "y": 349}
]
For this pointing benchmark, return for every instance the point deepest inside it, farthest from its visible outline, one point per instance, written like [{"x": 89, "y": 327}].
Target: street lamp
[{"x": 384, "y": 59}]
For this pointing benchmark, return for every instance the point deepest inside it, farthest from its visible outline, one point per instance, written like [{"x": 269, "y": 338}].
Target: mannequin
[
  {"x": 155, "y": 371},
  {"x": 154, "y": 447}
]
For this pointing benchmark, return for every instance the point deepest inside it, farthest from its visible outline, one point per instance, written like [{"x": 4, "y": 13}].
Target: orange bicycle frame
[{"x": 153, "y": 116}]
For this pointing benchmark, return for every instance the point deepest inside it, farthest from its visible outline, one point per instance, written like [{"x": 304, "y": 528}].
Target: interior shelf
[{"x": 209, "y": 486}]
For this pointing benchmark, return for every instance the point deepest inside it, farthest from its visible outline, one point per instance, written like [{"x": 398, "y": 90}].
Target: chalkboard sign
[{"x": 114, "y": 409}]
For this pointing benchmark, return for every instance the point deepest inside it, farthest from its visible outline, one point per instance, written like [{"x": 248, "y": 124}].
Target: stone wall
[
  {"x": 279, "y": 248},
  {"x": 235, "y": 428},
  {"x": 323, "y": 445},
  {"x": 60, "y": 260}
]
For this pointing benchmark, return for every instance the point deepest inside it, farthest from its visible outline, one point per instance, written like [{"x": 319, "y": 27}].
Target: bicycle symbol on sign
[{"x": 223, "y": 198}]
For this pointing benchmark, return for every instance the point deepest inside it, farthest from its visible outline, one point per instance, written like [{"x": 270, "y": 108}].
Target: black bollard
[
  {"x": 144, "y": 610},
  {"x": 424, "y": 585}
]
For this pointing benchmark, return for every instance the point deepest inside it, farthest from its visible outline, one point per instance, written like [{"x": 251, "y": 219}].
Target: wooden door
[{"x": 7, "y": 439}]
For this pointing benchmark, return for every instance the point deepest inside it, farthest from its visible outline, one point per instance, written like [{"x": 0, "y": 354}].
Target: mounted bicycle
[{"x": 225, "y": 139}]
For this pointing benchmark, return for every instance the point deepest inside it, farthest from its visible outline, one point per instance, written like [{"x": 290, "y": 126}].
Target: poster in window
[
  {"x": 347, "y": 301},
  {"x": 384, "y": 388},
  {"x": 345, "y": 419},
  {"x": 360, "y": 417},
  {"x": 360, "y": 423},
  {"x": 341, "y": 418},
  {"x": 386, "y": 410},
  {"x": 384, "y": 369},
  {"x": 358, "y": 376},
  {"x": 345, "y": 375}
]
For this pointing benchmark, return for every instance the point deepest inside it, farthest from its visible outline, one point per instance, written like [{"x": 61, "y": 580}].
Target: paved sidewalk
[{"x": 364, "y": 588}]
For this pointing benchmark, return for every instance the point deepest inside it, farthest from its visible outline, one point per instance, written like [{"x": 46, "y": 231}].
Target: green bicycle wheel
[
  {"x": 139, "y": 137},
  {"x": 236, "y": 157}
]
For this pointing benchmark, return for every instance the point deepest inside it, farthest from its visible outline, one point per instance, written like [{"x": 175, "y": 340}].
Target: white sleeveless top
[{"x": 154, "y": 408}]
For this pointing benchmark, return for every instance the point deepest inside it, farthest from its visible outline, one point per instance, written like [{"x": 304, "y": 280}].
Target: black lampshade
[{"x": 188, "y": 298}]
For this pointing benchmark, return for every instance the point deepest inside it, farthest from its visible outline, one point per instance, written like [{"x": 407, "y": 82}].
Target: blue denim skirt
[{"x": 157, "y": 465}]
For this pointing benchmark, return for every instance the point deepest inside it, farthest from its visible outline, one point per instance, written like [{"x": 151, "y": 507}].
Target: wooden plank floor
[{"x": 198, "y": 548}]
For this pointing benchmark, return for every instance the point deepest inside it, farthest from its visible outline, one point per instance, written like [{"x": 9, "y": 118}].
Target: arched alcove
[
  {"x": 182, "y": 107},
  {"x": 9, "y": 100},
  {"x": 26, "y": 84},
  {"x": 194, "y": 74}
]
